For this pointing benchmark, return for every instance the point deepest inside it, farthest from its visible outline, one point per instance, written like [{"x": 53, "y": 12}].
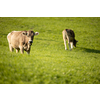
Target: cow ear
[
  {"x": 24, "y": 33},
  {"x": 36, "y": 33}
]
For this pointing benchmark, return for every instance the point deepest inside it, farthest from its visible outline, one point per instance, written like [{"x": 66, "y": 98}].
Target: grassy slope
[{"x": 48, "y": 61}]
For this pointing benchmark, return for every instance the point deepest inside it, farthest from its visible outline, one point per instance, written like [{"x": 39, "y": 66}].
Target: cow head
[
  {"x": 74, "y": 42},
  {"x": 30, "y": 36}
]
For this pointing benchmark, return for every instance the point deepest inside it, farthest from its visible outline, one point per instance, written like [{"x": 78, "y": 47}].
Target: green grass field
[{"x": 48, "y": 62}]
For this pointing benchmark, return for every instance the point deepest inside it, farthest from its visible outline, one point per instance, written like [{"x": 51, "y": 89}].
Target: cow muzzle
[{"x": 30, "y": 42}]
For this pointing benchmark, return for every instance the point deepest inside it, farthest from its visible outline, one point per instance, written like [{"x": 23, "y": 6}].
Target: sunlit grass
[{"x": 48, "y": 62}]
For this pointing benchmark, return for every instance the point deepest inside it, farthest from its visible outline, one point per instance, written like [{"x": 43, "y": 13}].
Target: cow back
[{"x": 70, "y": 32}]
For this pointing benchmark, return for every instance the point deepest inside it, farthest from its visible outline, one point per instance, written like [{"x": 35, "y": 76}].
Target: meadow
[{"x": 49, "y": 62}]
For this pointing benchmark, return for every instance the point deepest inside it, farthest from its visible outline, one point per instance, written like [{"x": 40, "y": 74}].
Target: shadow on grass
[{"x": 90, "y": 50}]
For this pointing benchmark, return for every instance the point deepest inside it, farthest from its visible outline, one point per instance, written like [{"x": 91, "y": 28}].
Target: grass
[{"x": 48, "y": 62}]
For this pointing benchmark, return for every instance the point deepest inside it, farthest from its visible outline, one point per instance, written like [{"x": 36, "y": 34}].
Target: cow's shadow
[{"x": 90, "y": 50}]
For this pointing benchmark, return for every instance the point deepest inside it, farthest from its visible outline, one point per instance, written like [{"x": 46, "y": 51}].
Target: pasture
[{"x": 48, "y": 62}]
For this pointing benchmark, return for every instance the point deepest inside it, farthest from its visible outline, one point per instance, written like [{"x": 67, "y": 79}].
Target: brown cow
[
  {"x": 21, "y": 40},
  {"x": 69, "y": 35}
]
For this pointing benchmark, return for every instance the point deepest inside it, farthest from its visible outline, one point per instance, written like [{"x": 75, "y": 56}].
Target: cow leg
[
  {"x": 28, "y": 52},
  {"x": 71, "y": 45},
  {"x": 21, "y": 50},
  {"x": 65, "y": 44},
  {"x": 64, "y": 38},
  {"x": 17, "y": 50},
  {"x": 11, "y": 48}
]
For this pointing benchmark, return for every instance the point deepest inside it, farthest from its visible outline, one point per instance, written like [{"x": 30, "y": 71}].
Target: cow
[
  {"x": 21, "y": 40},
  {"x": 69, "y": 35}
]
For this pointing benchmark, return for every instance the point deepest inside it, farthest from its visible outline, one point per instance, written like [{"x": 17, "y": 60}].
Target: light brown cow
[
  {"x": 69, "y": 35},
  {"x": 21, "y": 40}
]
